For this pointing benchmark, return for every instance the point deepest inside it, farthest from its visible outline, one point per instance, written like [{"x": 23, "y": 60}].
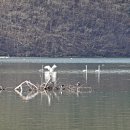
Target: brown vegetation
[{"x": 61, "y": 28}]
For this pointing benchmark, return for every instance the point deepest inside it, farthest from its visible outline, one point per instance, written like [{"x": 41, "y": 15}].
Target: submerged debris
[
  {"x": 49, "y": 90},
  {"x": 27, "y": 90}
]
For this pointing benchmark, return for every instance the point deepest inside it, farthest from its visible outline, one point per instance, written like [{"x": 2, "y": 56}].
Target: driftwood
[
  {"x": 28, "y": 84},
  {"x": 49, "y": 90},
  {"x": 33, "y": 90}
]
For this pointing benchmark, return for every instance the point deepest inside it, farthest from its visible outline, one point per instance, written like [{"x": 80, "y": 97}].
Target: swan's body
[{"x": 50, "y": 74}]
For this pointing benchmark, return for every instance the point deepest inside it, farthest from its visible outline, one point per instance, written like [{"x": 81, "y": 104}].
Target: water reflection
[
  {"x": 28, "y": 95},
  {"x": 49, "y": 95}
]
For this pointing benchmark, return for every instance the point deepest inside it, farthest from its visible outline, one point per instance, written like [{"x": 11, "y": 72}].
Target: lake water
[{"x": 105, "y": 106}]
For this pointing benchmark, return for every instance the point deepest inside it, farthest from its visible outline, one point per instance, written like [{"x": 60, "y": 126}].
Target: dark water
[{"x": 105, "y": 107}]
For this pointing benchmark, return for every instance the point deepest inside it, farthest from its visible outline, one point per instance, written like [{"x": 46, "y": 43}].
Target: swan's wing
[
  {"x": 53, "y": 67},
  {"x": 47, "y": 67}
]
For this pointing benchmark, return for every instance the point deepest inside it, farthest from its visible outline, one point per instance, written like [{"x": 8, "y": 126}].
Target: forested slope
[{"x": 61, "y": 28}]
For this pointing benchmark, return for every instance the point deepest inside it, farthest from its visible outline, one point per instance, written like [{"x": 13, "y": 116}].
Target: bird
[
  {"x": 62, "y": 87},
  {"x": 1, "y": 88},
  {"x": 50, "y": 69},
  {"x": 98, "y": 70},
  {"x": 50, "y": 74},
  {"x": 41, "y": 70},
  {"x": 78, "y": 84},
  {"x": 85, "y": 69}
]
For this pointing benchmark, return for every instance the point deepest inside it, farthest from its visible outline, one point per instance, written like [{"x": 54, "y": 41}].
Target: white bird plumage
[
  {"x": 98, "y": 70},
  {"x": 50, "y": 69},
  {"x": 86, "y": 69},
  {"x": 50, "y": 74}
]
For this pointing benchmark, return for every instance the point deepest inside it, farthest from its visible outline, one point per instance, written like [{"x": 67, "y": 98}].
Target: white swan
[
  {"x": 98, "y": 70},
  {"x": 86, "y": 72},
  {"x": 50, "y": 74},
  {"x": 86, "y": 69}
]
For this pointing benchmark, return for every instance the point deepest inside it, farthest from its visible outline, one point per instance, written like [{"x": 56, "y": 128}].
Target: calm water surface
[{"x": 105, "y": 107}]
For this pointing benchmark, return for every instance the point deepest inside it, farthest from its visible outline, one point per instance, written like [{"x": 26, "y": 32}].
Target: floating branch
[
  {"x": 28, "y": 84},
  {"x": 18, "y": 92}
]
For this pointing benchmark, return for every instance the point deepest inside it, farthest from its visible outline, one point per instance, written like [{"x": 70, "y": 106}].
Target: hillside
[{"x": 62, "y": 28}]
